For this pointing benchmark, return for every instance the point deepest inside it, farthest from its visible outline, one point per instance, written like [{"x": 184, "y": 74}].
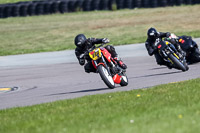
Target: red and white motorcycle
[{"x": 109, "y": 70}]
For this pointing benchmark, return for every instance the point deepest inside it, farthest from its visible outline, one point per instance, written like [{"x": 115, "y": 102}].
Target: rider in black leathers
[
  {"x": 152, "y": 49},
  {"x": 83, "y": 44}
]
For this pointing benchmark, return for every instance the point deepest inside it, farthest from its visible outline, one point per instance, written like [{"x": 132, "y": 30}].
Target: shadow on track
[
  {"x": 157, "y": 68},
  {"x": 155, "y": 75},
  {"x": 90, "y": 90}
]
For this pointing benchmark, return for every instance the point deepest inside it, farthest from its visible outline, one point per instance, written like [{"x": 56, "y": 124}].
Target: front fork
[
  {"x": 175, "y": 53},
  {"x": 103, "y": 63},
  {"x": 166, "y": 52}
]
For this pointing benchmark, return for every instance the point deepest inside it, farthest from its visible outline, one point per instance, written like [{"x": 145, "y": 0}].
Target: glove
[{"x": 105, "y": 40}]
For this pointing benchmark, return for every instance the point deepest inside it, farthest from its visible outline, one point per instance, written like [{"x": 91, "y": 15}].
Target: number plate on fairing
[{"x": 95, "y": 54}]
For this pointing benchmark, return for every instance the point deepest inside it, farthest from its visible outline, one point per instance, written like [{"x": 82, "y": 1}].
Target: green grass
[
  {"x": 171, "y": 108},
  {"x": 56, "y": 32},
  {"x": 12, "y": 1}
]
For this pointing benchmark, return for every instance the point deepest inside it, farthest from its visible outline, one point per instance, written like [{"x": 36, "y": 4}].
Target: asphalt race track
[{"x": 48, "y": 77}]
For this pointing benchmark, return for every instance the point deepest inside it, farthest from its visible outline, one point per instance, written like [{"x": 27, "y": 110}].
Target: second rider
[{"x": 153, "y": 35}]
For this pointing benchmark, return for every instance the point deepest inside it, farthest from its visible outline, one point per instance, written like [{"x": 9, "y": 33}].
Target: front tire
[
  {"x": 106, "y": 77},
  {"x": 186, "y": 65},
  {"x": 177, "y": 63}
]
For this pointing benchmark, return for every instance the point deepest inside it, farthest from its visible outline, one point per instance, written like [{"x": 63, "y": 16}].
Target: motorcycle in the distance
[
  {"x": 109, "y": 70},
  {"x": 190, "y": 47},
  {"x": 169, "y": 53}
]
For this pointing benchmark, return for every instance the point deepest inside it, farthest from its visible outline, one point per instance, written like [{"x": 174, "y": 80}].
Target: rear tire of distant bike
[
  {"x": 124, "y": 81},
  {"x": 196, "y": 54},
  {"x": 106, "y": 77},
  {"x": 177, "y": 63}
]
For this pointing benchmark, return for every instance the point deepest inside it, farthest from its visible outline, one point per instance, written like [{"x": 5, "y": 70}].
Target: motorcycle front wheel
[
  {"x": 177, "y": 63},
  {"x": 106, "y": 77}
]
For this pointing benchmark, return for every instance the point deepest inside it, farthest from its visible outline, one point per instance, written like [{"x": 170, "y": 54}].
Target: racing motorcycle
[
  {"x": 190, "y": 47},
  {"x": 109, "y": 70},
  {"x": 169, "y": 53}
]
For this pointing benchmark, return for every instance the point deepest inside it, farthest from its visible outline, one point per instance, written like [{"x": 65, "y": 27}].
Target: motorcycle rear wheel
[
  {"x": 106, "y": 77},
  {"x": 196, "y": 54}
]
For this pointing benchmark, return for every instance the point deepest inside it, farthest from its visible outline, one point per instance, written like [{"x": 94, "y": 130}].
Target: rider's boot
[{"x": 120, "y": 62}]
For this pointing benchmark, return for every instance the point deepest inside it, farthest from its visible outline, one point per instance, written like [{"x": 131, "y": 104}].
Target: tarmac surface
[{"x": 46, "y": 77}]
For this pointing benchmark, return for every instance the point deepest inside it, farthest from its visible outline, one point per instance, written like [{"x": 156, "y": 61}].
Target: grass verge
[
  {"x": 171, "y": 108},
  {"x": 56, "y": 32},
  {"x": 12, "y": 1}
]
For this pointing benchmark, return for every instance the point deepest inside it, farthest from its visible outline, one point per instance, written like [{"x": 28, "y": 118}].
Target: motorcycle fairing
[
  {"x": 161, "y": 45},
  {"x": 186, "y": 43},
  {"x": 117, "y": 79},
  {"x": 106, "y": 54},
  {"x": 94, "y": 64},
  {"x": 95, "y": 54},
  {"x": 181, "y": 40}
]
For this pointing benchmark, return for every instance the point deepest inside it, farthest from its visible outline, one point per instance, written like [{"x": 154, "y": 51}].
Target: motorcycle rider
[
  {"x": 83, "y": 44},
  {"x": 153, "y": 35}
]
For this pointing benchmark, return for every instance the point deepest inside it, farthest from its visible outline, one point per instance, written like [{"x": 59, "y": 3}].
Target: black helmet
[
  {"x": 80, "y": 40},
  {"x": 152, "y": 33}
]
